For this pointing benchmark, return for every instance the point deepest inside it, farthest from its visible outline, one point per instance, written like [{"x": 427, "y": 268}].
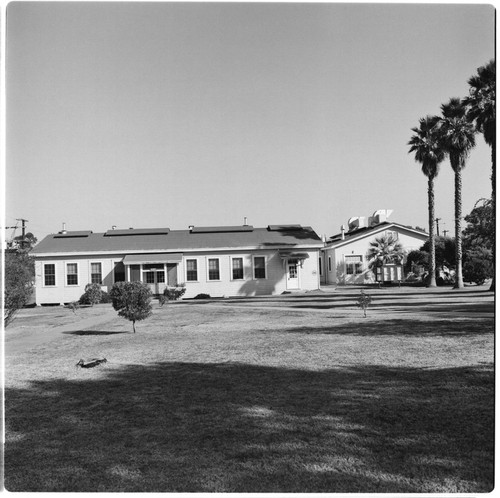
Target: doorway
[{"x": 292, "y": 274}]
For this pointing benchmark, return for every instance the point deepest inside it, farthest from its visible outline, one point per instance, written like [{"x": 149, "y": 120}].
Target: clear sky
[{"x": 177, "y": 114}]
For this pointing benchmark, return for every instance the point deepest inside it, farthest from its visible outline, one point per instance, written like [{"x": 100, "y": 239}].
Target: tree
[
  {"x": 428, "y": 152},
  {"x": 456, "y": 135},
  {"x": 132, "y": 300},
  {"x": 19, "y": 277},
  {"x": 481, "y": 112},
  {"x": 383, "y": 250}
]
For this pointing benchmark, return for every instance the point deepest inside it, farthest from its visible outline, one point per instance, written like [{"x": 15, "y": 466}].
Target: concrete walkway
[{"x": 20, "y": 343}]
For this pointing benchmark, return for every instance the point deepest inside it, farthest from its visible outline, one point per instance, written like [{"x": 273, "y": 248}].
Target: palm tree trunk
[
  {"x": 459, "y": 283},
  {"x": 432, "y": 241},
  {"x": 493, "y": 204}
]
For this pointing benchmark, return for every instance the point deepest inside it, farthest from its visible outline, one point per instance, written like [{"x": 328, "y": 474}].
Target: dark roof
[
  {"x": 336, "y": 239},
  {"x": 178, "y": 241}
]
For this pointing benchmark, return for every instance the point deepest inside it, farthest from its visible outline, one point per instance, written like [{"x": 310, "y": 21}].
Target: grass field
[{"x": 295, "y": 393}]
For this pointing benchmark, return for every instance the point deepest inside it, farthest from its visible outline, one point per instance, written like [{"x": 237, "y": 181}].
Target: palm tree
[
  {"x": 456, "y": 135},
  {"x": 481, "y": 112},
  {"x": 428, "y": 152},
  {"x": 383, "y": 250}
]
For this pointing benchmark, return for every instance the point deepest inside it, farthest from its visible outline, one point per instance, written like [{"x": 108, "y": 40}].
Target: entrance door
[
  {"x": 155, "y": 280},
  {"x": 172, "y": 274},
  {"x": 292, "y": 274}
]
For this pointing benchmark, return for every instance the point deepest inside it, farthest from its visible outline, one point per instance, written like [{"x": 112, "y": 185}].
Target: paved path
[{"x": 19, "y": 343}]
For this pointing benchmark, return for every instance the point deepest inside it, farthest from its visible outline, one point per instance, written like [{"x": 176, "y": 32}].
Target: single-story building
[
  {"x": 219, "y": 261},
  {"x": 344, "y": 258}
]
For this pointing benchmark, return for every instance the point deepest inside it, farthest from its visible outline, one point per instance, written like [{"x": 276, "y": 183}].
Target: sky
[{"x": 176, "y": 114}]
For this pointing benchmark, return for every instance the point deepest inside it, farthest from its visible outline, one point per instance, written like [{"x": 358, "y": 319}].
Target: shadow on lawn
[
  {"x": 400, "y": 327},
  {"x": 186, "y": 427},
  {"x": 96, "y": 332}
]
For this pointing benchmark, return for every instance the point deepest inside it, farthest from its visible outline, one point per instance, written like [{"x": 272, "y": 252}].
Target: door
[
  {"x": 155, "y": 280},
  {"x": 292, "y": 274},
  {"x": 172, "y": 274}
]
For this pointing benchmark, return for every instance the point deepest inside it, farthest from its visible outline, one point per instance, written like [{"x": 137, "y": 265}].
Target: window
[
  {"x": 353, "y": 265},
  {"x": 329, "y": 263},
  {"x": 320, "y": 266},
  {"x": 150, "y": 277},
  {"x": 160, "y": 277},
  {"x": 96, "y": 273},
  {"x": 72, "y": 273},
  {"x": 259, "y": 267},
  {"x": 213, "y": 269},
  {"x": 237, "y": 268},
  {"x": 49, "y": 272},
  {"x": 392, "y": 234},
  {"x": 191, "y": 270}
]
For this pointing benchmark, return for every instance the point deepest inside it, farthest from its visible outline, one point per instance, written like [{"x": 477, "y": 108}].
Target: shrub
[
  {"x": 92, "y": 294},
  {"x": 174, "y": 293},
  {"x": 202, "y": 296},
  {"x": 105, "y": 298},
  {"x": 132, "y": 300},
  {"x": 478, "y": 266}
]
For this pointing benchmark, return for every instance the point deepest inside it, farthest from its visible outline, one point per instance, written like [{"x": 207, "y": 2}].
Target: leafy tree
[
  {"x": 429, "y": 152},
  {"x": 26, "y": 243},
  {"x": 478, "y": 265},
  {"x": 480, "y": 229},
  {"x": 19, "y": 277},
  {"x": 132, "y": 300},
  {"x": 382, "y": 250},
  {"x": 456, "y": 135},
  {"x": 481, "y": 112},
  {"x": 92, "y": 295},
  {"x": 445, "y": 251}
]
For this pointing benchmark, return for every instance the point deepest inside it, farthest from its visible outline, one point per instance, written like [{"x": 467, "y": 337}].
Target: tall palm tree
[
  {"x": 481, "y": 112},
  {"x": 429, "y": 153},
  {"x": 456, "y": 134}
]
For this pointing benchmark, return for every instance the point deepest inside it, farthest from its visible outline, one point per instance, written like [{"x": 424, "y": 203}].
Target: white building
[
  {"x": 344, "y": 257},
  {"x": 219, "y": 261}
]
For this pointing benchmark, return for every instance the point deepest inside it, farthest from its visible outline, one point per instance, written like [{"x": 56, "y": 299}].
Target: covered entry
[
  {"x": 156, "y": 270},
  {"x": 292, "y": 262}
]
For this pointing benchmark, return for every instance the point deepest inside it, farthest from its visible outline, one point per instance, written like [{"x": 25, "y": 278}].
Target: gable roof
[
  {"x": 165, "y": 240},
  {"x": 337, "y": 241}
]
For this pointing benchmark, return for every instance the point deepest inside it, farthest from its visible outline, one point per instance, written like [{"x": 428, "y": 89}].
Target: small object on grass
[
  {"x": 94, "y": 362},
  {"x": 364, "y": 301},
  {"x": 73, "y": 306}
]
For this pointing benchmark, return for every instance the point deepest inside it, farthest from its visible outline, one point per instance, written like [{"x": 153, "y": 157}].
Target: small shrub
[
  {"x": 162, "y": 300},
  {"x": 477, "y": 269},
  {"x": 174, "y": 293},
  {"x": 92, "y": 294},
  {"x": 202, "y": 296},
  {"x": 105, "y": 298},
  {"x": 364, "y": 301},
  {"x": 73, "y": 306}
]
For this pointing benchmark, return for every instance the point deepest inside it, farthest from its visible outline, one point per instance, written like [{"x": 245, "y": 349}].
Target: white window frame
[
  {"x": 392, "y": 233},
  {"x": 67, "y": 274},
  {"x": 208, "y": 259},
  {"x": 55, "y": 274},
  {"x": 253, "y": 268},
  {"x": 329, "y": 264},
  {"x": 353, "y": 263},
  {"x": 232, "y": 258},
  {"x": 90, "y": 271},
  {"x": 197, "y": 269}
]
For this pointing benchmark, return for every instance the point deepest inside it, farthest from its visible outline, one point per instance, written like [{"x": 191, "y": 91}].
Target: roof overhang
[
  {"x": 293, "y": 255},
  {"x": 138, "y": 259}
]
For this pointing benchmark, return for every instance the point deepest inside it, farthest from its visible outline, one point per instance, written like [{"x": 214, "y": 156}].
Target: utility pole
[
  {"x": 445, "y": 232},
  {"x": 23, "y": 228},
  {"x": 437, "y": 225}
]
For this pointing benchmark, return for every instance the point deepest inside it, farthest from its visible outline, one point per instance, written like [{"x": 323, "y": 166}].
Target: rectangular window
[
  {"x": 213, "y": 269},
  {"x": 237, "y": 268},
  {"x": 329, "y": 263},
  {"x": 150, "y": 277},
  {"x": 191, "y": 270},
  {"x": 320, "y": 266},
  {"x": 160, "y": 277},
  {"x": 353, "y": 265},
  {"x": 72, "y": 273},
  {"x": 96, "y": 273},
  {"x": 259, "y": 267},
  {"x": 49, "y": 274}
]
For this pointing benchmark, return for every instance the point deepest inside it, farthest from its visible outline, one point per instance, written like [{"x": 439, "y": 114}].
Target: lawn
[{"x": 295, "y": 393}]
